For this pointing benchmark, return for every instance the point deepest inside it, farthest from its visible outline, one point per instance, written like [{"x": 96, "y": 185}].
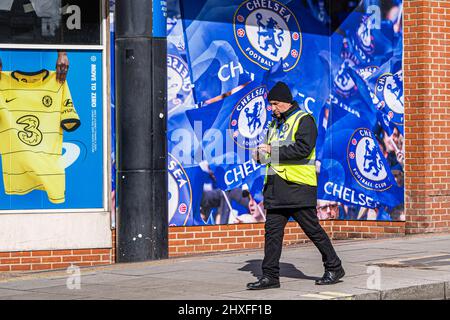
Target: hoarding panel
[{"x": 48, "y": 162}]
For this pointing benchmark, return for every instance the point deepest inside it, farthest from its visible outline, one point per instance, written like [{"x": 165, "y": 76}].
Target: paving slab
[
  {"x": 40, "y": 296},
  {"x": 10, "y": 292},
  {"x": 393, "y": 283},
  {"x": 107, "y": 278},
  {"x": 32, "y": 284},
  {"x": 98, "y": 290},
  {"x": 65, "y": 291},
  {"x": 414, "y": 274},
  {"x": 432, "y": 291},
  {"x": 145, "y": 282},
  {"x": 271, "y": 294},
  {"x": 134, "y": 271},
  {"x": 363, "y": 295}
]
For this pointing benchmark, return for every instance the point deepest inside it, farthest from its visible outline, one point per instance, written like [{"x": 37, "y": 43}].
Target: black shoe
[
  {"x": 263, "y": 283},
  {"x": 331, "y": 277}
]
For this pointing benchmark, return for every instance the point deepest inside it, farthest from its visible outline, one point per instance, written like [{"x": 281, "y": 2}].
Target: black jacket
[{"x": 279, "y": 193}]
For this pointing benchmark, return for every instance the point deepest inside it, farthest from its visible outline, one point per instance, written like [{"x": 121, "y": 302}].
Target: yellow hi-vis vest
[{"x": 297, "y": 171}]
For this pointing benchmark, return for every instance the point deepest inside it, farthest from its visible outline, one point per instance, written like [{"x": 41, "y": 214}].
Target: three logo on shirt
[{"x": 30, "y": 135}]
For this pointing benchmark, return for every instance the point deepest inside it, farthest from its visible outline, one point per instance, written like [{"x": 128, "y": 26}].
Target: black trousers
[{"x": 307, "y": 219}]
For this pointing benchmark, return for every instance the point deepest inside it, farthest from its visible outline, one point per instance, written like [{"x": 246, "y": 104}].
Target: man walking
[{"x": 290, "y": 188}]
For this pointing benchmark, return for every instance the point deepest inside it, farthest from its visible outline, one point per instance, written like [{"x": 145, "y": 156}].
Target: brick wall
[
  {"x": 57, "y": 259},
  {"x": 54, "y": 259},
  {"x": 427, "y": 112},
  {"x": 196, "y": 240}
]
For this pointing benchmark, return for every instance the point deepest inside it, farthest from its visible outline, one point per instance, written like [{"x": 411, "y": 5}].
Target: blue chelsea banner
[
  {"x": 230, "y": 46},
  {"x": 224, "y": 57}
]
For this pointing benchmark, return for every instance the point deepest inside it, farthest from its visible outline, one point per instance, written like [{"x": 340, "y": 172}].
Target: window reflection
[{"x": 49, "y": 22}]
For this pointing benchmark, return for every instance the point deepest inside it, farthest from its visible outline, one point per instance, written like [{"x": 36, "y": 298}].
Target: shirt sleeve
[
  {"x": 70, "y": 121},
  {"x": 305, "y": 142}
]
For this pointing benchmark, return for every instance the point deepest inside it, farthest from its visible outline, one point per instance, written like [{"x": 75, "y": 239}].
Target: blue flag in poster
[
  {"x": 354, "y": 171},
  {"x": 383, "y": 92},
  {"x": 276, "y": 74},
  {"x": 322, "y": 125},
  {"x": 341, "y": 107},
  {"x": 230, "y": 43},
  {"x": 175, "y": 33},
  {"x": 215, "y": 66},
  {"x": 366, "y": 43},
  {"x": 389, "y": 90},
  {"x": 385, "y": 123},
  {"x": 368, "y": 37},
  {"x": 309, "y": 99},
  {"x": 179, "y": 87},
  {"x": 229, "y": 130},
  {"x": 180, "y": 194},
  {"x": 185, "y": 193}
]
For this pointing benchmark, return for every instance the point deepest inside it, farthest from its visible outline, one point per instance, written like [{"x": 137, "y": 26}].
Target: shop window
[{"x": 57, "y": 22}]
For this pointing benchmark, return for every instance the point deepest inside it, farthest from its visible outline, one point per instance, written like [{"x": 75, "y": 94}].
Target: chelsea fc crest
[
  {"x": 389, "y": 89},
  {"x": 266, "y": 32},
  {"x": 180, "y": 193},
  {"x": 47, "y": 101},
  {"x": 364, "y": 35},
  {"x": 250, "y": 119},
  {"x": 343, "y": 83},
  {"x": 179, "y": 83},
  {"x": 365, "y": 161}
]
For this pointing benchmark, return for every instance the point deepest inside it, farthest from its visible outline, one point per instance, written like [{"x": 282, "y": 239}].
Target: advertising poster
[
  {"x": 51, "y": 131},
  {"x": 362, "y": 156},
  {"x": 233, "y": 42},
  {"x": 348, "y": 76}
]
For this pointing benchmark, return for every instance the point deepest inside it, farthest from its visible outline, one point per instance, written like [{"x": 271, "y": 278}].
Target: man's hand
[
  {"x": 265, "y": 148},
  {"x": 62, "y": 66},
  {"x": 261, "y": 152}
]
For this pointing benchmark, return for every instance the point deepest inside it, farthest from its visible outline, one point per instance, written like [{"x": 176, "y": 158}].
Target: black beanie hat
[{"x": 280, "y": 92}]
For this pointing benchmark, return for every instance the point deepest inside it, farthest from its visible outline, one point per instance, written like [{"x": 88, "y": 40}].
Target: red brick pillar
[{"x": 427, "y": 115}]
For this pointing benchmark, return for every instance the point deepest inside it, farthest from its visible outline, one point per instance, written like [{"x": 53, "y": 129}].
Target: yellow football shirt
[{"x": 34, "y": 110}]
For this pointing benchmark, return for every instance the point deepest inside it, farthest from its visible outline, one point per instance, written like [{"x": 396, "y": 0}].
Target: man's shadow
[{"x": 287, "y": 270}]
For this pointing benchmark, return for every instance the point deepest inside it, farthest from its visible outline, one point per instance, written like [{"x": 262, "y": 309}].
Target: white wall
[{"x": 31, "y": 231}]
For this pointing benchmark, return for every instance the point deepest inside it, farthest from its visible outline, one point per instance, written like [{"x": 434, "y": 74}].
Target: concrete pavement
[{"x": 413, "y": 267}]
